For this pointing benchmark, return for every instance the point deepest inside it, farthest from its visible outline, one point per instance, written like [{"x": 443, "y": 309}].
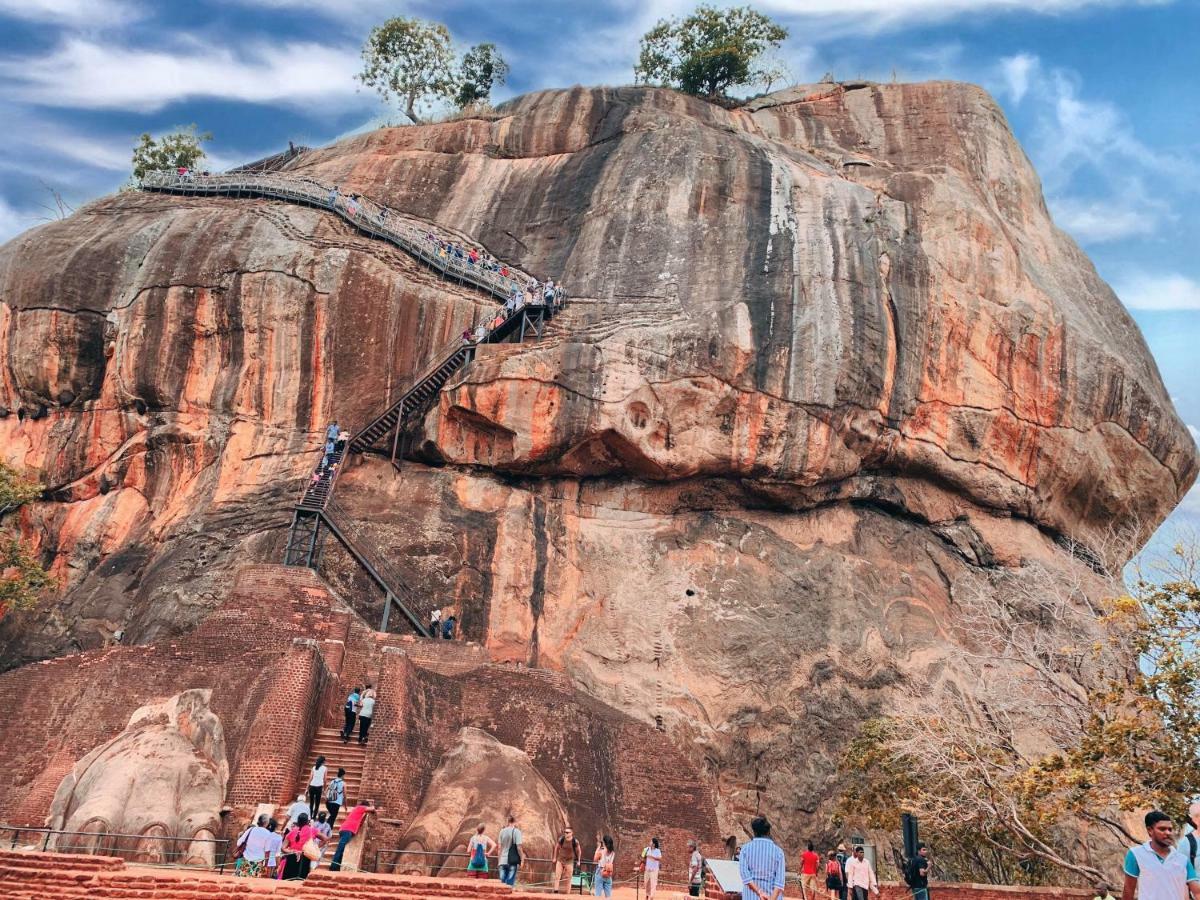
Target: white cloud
[
  {"x": 86, "y": 74},
  {"x": 70, "y": 12},
  {"x": 1016, "y": 71},
  {"x": 1165, "y": 291},
  {"x": 1129, "y": 210}
]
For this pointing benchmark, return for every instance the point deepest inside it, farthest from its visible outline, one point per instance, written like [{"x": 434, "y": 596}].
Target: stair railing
[{"x": 412, "y": 235}]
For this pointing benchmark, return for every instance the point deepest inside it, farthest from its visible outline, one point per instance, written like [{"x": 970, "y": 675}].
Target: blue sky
[{"x": 1102, "y": 94}]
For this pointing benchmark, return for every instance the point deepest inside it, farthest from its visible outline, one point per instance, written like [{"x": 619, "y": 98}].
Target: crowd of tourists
[{"x": 264, "y": 850}]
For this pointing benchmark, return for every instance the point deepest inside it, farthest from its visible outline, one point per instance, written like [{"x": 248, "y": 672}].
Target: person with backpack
[
  {"x": 479, "y": 848},
  {"x": 448, "y": 628},
  {"x": 336, "y": 798},
  {"x": 916, "y": 873},
  {"x": 834, "y": 879},
  {"x": 567, "y": 855},
  {"x": 652, "y": 861},
  {"x": 509, "y": 858},
  {"x": 350, "y": 711},
  {"x": 843, "y": 858}
]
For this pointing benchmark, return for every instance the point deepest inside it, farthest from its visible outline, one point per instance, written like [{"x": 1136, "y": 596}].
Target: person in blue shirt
[
  {"x": 761, "y": 864},
  {"x": 1157, "y": 869}
]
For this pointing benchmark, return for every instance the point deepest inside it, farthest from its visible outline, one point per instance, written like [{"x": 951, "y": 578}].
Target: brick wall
[{"x": 243, "y": 651}]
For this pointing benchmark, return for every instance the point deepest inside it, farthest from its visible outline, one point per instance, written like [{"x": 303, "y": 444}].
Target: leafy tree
[
  {"x": 710, "y": 51},
  {"x": 1059, "y": 738},
  {"x": 179, "y": 148},
  {"x": 21, "y": 578},
  {"x": 482, "y": 69},
  {"x": 410, "y": 61}
]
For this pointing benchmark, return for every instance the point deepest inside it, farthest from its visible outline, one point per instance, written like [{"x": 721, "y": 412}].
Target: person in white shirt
[
  {"x": 366, "y": 712},
  {"x": 274, "y": 845},
  {"x": 860, "y": 877},
  {"x": 254, "y": 842},
  {"x": 300, "y": 806},
  {"x": 316, "y": 784},
  {"x": 652, "y": 858},
  {"x": 1157, "y": 869}
]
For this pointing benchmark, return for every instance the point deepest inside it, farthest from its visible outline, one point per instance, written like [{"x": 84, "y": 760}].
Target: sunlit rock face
[
  {"x": 480, "y": 780},
  {"x": 163, "y": 778},
  {"x": 827, "y": 355}
]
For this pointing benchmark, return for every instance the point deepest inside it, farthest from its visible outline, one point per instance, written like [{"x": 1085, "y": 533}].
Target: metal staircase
[{"x": 316, "y": 514}]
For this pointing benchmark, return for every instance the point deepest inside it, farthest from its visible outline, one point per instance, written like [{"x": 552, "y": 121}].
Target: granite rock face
[{"x": 826, "y": 355}]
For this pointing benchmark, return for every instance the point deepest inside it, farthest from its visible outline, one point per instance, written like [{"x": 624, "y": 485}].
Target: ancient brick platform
[{"x": 279, "y": 658}]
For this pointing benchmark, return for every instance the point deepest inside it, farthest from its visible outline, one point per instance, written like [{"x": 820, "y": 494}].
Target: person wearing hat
[{"x": 842, "y": 857}]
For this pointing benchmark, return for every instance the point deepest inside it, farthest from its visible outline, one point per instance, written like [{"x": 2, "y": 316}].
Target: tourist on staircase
[
  {"x": 316, "y": 784},
  {"x": 479, "y": 848},
  {"x": 349, "y": 829},
  {"x": 435, "y": 622},
  {"x": 366, "y": 710},
  {"x": 301, "y": 846},
  {"x": 274, "y": 849},
  {"x": 333, "y": 196},
  {"x": 350, "y": 711},
  {"x": 336, "y": 798},
  {"x": 509, "y": 857},
  {"x": 326, "y": 831},
  {"x": 448, "y": 628},
  {"x": 295, "y": 810}
]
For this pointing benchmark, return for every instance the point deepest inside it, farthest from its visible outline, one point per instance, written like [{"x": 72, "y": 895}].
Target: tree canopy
[
  {"x": 710, "y": 51},
  {"x": 21, "y": 578},
  {"x": 482, "y": 69},
  {"x": 179, "y": 148},
  {"x": 1061, "y": 737}
]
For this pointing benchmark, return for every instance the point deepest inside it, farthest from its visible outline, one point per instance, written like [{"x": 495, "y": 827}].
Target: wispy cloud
[
  {"x": 85, "y": 74},
  {"x": 1017, "y": 71},
  {"x": 71, "y": 12},
  {"x": 1159, "y": 291}
]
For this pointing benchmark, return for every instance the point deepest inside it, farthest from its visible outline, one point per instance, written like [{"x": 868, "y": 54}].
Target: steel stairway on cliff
[{"x": 316, "y": 515}]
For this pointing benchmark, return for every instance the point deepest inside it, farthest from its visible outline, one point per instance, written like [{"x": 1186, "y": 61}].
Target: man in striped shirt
[{"x": 761, "y": 864}]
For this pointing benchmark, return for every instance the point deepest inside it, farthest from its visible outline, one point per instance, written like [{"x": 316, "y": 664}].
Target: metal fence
[
  {"x": 533, "y": 871},
  {"x": 418, "y": 238},
  {"x": 143, "y": 849}
]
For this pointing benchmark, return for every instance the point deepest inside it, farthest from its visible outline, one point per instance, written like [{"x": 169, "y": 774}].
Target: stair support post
[{"x": 387, "y": 611}]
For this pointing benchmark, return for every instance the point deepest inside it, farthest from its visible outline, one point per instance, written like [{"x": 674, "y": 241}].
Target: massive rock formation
[{"x": 827, "y": 354}]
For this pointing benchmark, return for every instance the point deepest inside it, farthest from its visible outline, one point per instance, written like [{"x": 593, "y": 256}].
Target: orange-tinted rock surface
[{"x": 826, "y": 354}]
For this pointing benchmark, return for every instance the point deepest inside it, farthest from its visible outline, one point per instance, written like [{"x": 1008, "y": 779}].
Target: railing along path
[{"x": 418, "y": 238}]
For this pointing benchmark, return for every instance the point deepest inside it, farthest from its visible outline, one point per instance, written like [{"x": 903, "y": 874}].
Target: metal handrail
[
  {"x": 443, "y": 858},
  {"x": 410, "y": 234},
  {"x": 107, "y": 843}
]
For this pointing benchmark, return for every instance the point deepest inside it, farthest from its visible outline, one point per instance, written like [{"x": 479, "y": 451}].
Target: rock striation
[{"x": 827, "y": 355}]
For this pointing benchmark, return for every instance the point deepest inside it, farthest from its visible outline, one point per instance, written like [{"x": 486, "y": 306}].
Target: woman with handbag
[
  {"x": 301, "y": 847},
  {"x": 605, "y": 866}
]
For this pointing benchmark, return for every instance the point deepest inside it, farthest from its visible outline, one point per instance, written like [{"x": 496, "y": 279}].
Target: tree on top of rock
[
  {"x": 411, "y": 61},
  {"x": 482, "y": 69},
  {"x": 179, "y": 149},
  {"x": 710, "y": 51}
]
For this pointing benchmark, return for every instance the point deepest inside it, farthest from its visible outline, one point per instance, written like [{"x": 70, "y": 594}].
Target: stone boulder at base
[{"x": 827, "y": 356}]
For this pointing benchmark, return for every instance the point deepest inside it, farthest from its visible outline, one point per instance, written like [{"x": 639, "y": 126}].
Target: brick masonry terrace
[
  {"x": 269, "y": 671},
  {"x": 38, "y": 876}
]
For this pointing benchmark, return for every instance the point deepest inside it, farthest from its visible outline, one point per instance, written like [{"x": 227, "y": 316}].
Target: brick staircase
[
  {"x": 40, "y": 876},
  {"x": 350, "y": 756}
]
